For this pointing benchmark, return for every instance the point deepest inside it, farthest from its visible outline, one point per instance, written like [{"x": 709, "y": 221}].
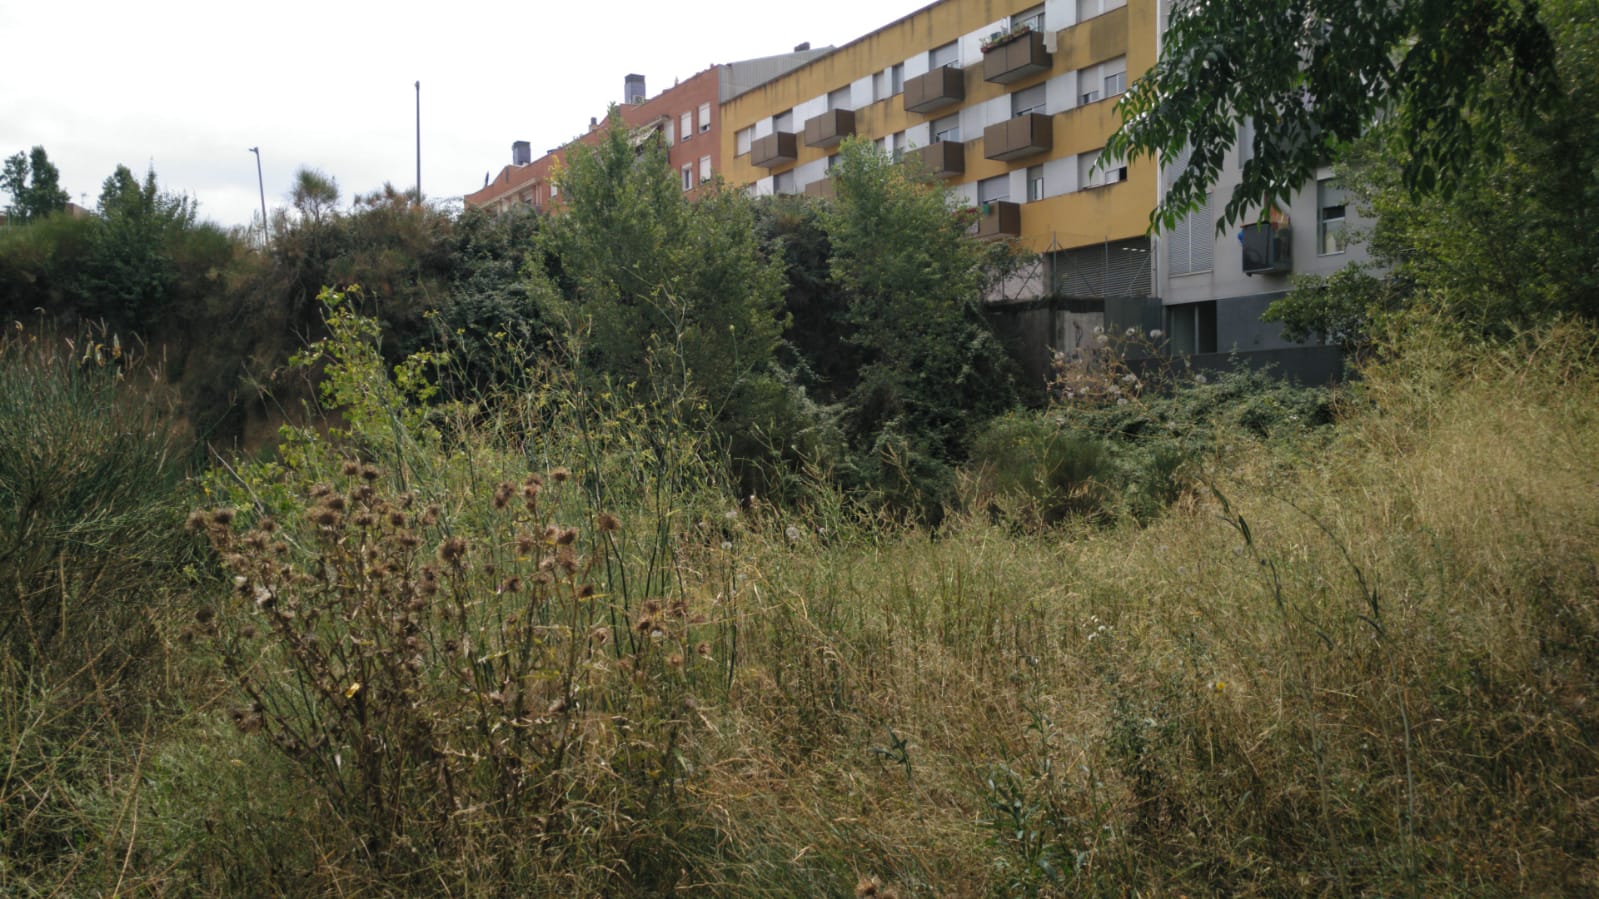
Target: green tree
[
  {"x": 931, "y": 369},
  {"x": 1515, "y": 242},
  {"x": 675, "y": 296},
  {"x": 315, "y": 195},
  {"x": 34, "y": 184},
  {"x": 1313, "y": 75}
]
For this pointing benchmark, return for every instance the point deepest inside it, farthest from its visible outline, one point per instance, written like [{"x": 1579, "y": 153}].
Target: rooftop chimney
[
  {"x": 633, "y": 89},
  {"x": 803, "y": 47},
  {"x": 521, "y": 153}
]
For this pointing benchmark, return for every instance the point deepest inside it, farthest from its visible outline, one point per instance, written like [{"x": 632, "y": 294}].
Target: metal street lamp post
[{"x": 261, "y": 183}]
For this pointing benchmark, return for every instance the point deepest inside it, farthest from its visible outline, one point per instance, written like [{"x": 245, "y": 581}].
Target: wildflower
[
  {"x": 1218, "y": 685},
  {"x": 1156, "y": 334},
  {"x": 196, "y": 521},
  {"x": 606, "y": 522},
  {"x": 1130, "y": 332},
  {"x": 1102, "y": 340},
  {"x": 223, "y": 517},
  {"x": 502, "y": 494},
  {"x": 1200, "y": 379},
  {"x": 566, "y": 537},
  {"x": 560, "y": 474},
  {"x": 702, "y": 649},
  {"x": 585, "y": 592},
  {"x": 351, "y": 468},
  {"x": 792, "y": 533},
  {"x": 453, "y": 551},
  {"x": 1099, "y": 329}
]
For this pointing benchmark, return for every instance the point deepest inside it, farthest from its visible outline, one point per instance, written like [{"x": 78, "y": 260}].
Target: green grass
[{"x": 1360, "y": 664}]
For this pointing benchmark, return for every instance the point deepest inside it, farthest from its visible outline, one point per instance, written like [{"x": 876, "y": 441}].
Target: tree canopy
[
  {"x": 1312, "y": 75},
  {"x": 34, "y": 184}
]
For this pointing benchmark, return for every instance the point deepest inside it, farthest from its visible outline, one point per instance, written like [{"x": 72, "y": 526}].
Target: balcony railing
[
  {"x": 829, "y": 128},
  {"x": 947, "y": 157},
  {"x": 1015, "y": 58},
  {"x": 935, "y": 90},
  {"x": 775, "y": 149},
  {"x": 822, "y": 189},
  {"x": 1017, "y": 137},
  {"x": 998, "y": 218}
]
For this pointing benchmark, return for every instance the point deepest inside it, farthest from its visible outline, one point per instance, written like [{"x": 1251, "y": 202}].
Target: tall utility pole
[
  {"x": 419, "y": 142},
  {"x": 261, "y": 183}
]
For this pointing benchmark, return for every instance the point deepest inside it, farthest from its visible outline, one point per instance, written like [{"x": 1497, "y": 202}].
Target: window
[
  {"x": 831, "y": 161},
  {"x": 838, "y": 99},
  {"x": 947, "y": 55},
  {"x": 896, "y": 79},
  {"x": 1191, "y": 245},
  {"x": 1032, "y": 18},
  {"x": 1035, "y": 183},
  {"x": 688, "y": 177},
  {"x": 1246, "y": 142},
  {"x": 1028, "y": 101},
  {"x": 898, "y": 150},
  {"x": 783, "y": 183},
  {"x": 1108, "y": 79},
  {"x": 993, "y": 190},
  {"x": 1192, "y": 327},
  {"x": 686, "y": 125},
  {"x": 667, "y": 131},
  {"x": 1091, "y": 174},
  {"x": 947, "y": 128},
  {"x": 880, "y": 85},
  {"x": 1087, "y": 9},
  {"x": 705, "y": 169},
  {"x": 783, "y": 121},
  {"x": 1330, "y": 201},
  {"x": 741, "y": 141},
  {"x": 705, "y": 117},
  {"x": 555, "y": 190}
]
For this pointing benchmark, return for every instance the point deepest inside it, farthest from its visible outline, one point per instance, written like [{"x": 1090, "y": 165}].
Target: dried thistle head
[
  {"x": 351, "y": 468},
  {"x": 502, "y": 494},
  {"x": 566, "y": 537},
  {"x": 222, "y": 517},
  {"x": 197, "y": 521},
  {"x": 607, "y": 523},
  {"x": 560, "y": 475}
]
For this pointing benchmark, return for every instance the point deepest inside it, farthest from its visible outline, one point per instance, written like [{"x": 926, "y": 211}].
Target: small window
[
  {"x": 993, "y": 190},
  {"x": 705, "y": 169},
  {"x": 688, "y": 177},
  {"x": 896, "y": 78},
  {"x": 668, "y": 133},
  {"x": 947, "y": 55},
  {"x": 1031, "y": 18},
  {"x": 898, "y": 152},
  {"x": 783, "y": 121},
  {"x": 1087, "y": 9},
  {"x": 1035, "y": 183},
  {"x": 1028, "y": 101},
  {"x": 686, "y": 125},
  {"x": 1115, "y": 84},
  {"x": 742, "y": 141},
  {"x": 783, "y": 183},
  {"x": 705, "y": 117},
  {"x": 1330, "y": 203},
  {"x": 1091, "y": 174},
  {"x": 947, "y": 128},
  {"x": 838, "y": 99},
  {"x": 880, "y": 85}
]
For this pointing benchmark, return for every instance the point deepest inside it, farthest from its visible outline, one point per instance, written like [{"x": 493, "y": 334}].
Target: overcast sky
[{"x": 187, "y": 86}]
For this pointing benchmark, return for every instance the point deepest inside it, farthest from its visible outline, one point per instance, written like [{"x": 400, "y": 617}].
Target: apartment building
[
  {"x": 686, "y": 118},
  {"x": 1009, "y": 101},
  {"x": 1213, "y": 287}
]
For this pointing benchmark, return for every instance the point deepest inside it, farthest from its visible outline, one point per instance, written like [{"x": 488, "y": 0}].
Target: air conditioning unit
[{"x": 1268, "y": 248}]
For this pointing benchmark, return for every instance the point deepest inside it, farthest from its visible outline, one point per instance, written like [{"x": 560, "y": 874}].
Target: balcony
[
  {"x": 945, "y": 158},
  {"x": 998, "y": 218},
  {"x": 943, "y": 86},
  {"x": 829, "y": 128},
  {"x": 1015, "y": 57},
  {"x": 1017, "y": 137},
  {"x": 775, "y": 149},
  {"x": 822, "y": 189},
  {"x": 1268, "y": 249}
]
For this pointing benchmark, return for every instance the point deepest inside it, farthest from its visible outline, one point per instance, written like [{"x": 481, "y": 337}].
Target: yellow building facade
[{"x": 1010, "y": 101}]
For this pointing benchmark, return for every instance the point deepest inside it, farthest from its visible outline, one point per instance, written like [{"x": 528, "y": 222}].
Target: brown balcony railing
[
  {"x": 774, "y": 149},
  {"x": 1016, "y": 58},
  {"x": 1017, "y": 137},
  {"x": 935, "y": 90},
  {"x": 947, "y": 157},
  {"x": 829, "y": 128},
  {"x": 822, "y": 188},
  {"x": 998, "y": 218}
]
